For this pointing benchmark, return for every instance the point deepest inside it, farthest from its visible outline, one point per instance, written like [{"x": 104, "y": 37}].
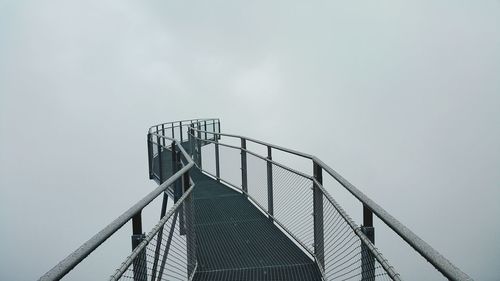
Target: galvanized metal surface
[
  {"x": 150, "y": 236},
  {"x": 435, "y": 258},
  {"x": 67, "y": 264},
  {"x": 442, "y": 264}
]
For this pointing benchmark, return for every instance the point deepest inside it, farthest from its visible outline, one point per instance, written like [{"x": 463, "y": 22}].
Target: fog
[{"x": 401, "y": 98}]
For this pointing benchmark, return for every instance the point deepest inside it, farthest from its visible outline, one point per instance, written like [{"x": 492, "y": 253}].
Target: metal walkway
[
  {"x": 236, "y": 241},
  {"x": 239, "y": 215}
]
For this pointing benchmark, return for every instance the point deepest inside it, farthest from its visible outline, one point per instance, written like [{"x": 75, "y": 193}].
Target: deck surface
[{"x": 236, "y": 241}]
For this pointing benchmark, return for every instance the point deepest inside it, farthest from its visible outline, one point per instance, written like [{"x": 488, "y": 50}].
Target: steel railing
[
  {"x": 266, "y": 201},
  {"x": 179, "y": 177},
  {"x": 340, "y": 248}
]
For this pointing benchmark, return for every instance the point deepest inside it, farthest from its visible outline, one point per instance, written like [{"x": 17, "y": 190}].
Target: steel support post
[
  {"x": 189, "y": 227},
  {"x": 164, "y": 205},
  {"x": 205, "y": 128},
  {"x": 160, "y": 162},
  {"x": 178, "y": 192},
  {"x": 175, "y": 167},
  {"x": 213, "y": 127},
  {"x": 191, "y": 141},
  {"x": 319, "y": 243},
  {"x": 150, "y": 156},
  {"x": 199, "y": 146},
  {"x": 270, "y": 207},
  {"x": 173, "y": 154},
  {"x": 163, "y": 133},
  {"x": 159, "y": 237},
  {"x": 217, "y": 163},
  {"x": 367, "y": 258},
  {"x": 218, "y": 127},
  {"x": 167, "y": 246},
  {"x": 180, "y": 131},
  {"x": 244, "y": 183},
  {"x": 140, "y": 265}
]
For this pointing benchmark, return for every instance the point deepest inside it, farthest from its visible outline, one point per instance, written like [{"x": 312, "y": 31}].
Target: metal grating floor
[{"x": 235, "y": 241}]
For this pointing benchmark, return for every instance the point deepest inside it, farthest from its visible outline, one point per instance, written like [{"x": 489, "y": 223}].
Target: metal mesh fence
[
  {"x": 288, "y": 196},
  {"x": 168, "y": 252},
  {"x": 257, "y": 180},
  {"x": 330, "y": 237},
  {"x": 293, "y": 204},
  {"x": 346, "y": 255},
  {"x": 208, "y": 158},
  {"x": 158, "y": 144},
  {"x": 230, "y": 165}
]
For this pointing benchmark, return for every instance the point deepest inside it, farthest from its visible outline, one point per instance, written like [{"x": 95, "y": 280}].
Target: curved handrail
[
  {"x": 442, "y": 264},
  {"x": 434, "y": 257},
  {"x": 73, "y": 259},
  {"x": 191, "y": 121}
]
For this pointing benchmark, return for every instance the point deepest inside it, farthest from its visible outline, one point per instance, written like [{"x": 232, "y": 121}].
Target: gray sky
[{"x": 402, "y": 98}]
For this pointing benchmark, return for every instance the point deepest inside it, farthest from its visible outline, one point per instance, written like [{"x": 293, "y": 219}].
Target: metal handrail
[
  {"x": 394, "y": 275},
  {"x": 435, "y": 258},
  {"x": 73, "y": 259},
  {"x": 151, "y": 235},
  {"x": 180, "y": 121}
]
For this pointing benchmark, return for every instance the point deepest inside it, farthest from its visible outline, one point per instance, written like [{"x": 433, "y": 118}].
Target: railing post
[
  {"x": 218, "y": 127},
  {"x": 270, "y": 207},
  {"x": 213, "y": 127},
  {"x": 367, "y": 258},
  {"x": 205, "y": 128},
  {"x": 244, "y": 185},
  {"x": 140, "y": 265},
  {"x": 150, "y": 156},
  {"x": 160, "y": 162},
  {"x": 180, "y": 131},
  {"x": 217, "y": 163},
  {"x": 189, "y": 227},
  {"x": 173, "y": 130},
  {"x": 199, "y": 145},
  {"x": 163, "y": 133},
  {"x": 191, "y": 141},
  {"x": 178, "y": 185},
  {"x": 319, "y": 243},
  {"x": 175, "y": 168}
]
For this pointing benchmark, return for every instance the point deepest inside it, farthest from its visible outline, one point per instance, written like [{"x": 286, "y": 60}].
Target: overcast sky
[{"x": 400, "y": 97}]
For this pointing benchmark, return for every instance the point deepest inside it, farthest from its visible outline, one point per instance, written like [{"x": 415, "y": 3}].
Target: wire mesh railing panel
[
  {"x": 293, "y": 203},
  {"x": 230, "y": 165},
  {"x": 168, "y": 252},
  {"x": 257, "y": 180},
  {"x": 346, "y": 255},
  {"x": 208, "y": 158}
]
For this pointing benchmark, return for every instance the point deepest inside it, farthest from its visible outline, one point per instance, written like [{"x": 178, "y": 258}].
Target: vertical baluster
[
  {"x": 367, "y": 258},
  {"x": 319, "y": 251},
  {"x": 150, "y": 156},
  {"x": 270, "y": 207},
  {"x": 244, "y": 185},
  {"x": 140, "y": 265}
]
